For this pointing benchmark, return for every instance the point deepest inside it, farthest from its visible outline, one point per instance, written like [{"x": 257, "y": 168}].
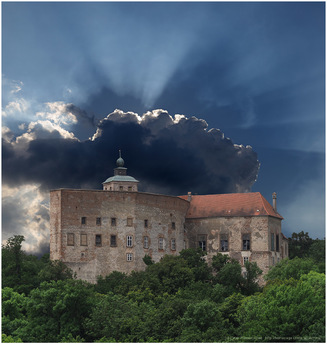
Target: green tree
[
  {"x": 12, "y": 256},
  {"x": 57, "y": 310},
  {"x": 286, "y": 311},
  {"x": 293, "y": 268},
  {"x": 13, "y": 311},
  {"x": 116, "y": 282},
  {"x": 299, "y": 244},
  {"x": 55, "y": 270},
  {"x": 229, "y": 274},
  {"x": 317, "y": 252},
  {"x": 229, "y": 311},
  {"x": 24, "y": 272},
  {"x": 70, "y": 339},
  {"x": 249, "y": 284},
  {"x": 171, "y": 273},
  {"x": 147, "y": 260},
  {"x": 203, "y": 322},
  {"x": 108, "y": 317},
  {"x": 10, "y": 339},
  {"x": 219, "y": 261},
  {"x": 194, "y": 259}
]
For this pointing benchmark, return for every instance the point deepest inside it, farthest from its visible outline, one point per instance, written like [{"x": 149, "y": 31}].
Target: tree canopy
[{"x": 179, "y": 299}]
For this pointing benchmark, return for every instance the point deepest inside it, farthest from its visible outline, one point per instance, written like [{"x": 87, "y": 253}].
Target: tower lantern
[{"x": 120, "y": 181}]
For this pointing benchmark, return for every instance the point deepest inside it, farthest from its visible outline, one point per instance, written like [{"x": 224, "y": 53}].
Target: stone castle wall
[
  {"x": 97, "y": 232},
  {"x": 235, "y": 230}
]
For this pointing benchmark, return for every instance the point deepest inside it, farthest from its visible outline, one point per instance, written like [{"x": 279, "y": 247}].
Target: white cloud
[
  {"x": 7, "y": 135},
  {"x": 19, "y": 106},
  {"x": 26, "y": 212},
  {"x": 16, "y": 86},
  {"x": 58, "y": 113},
  {"x": 43, "y": 127}
]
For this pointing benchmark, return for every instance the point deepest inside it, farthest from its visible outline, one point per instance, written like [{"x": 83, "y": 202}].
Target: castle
[{"x": 96, "y": 232}]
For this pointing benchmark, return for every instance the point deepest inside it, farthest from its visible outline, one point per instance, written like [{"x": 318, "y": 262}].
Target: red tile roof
[{"x": 231, "y": 204}]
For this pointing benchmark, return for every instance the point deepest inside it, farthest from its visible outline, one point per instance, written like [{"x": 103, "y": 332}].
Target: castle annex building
[{"x": 96, "y": 232}]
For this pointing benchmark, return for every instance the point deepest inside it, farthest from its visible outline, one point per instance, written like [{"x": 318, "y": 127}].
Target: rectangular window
[
  {"x": 83, "y": 220},
  {"x": 272, "y": 237},
  {"x": 129, "y": 241},
  {"x": 83, "y": 239},
  {"x": 184, "y": 244},
  {"x": 98, "y": 241},
  {"x": 173, "y": 226},
  {"x": 246, "y": 242},
  {"x": 202, "y": 242},
  {"x": 98, "y": 221},
  {"x": 146, "y": 223},
  {"x": 113, "y": 241},
  {"x": 161, "y": 243},
  {"x": 277, "y": 243},
  {"x": 145, "y": 242},
  {"x": 113, "y": 221},
  {"x": 129, "y": 257},
  {"x": 245, "y": 259},
  {"x": 173, "y": 244},
  {"x": 121, "y": 188},
  {"x": 223, "y": 243},
  {"x": 70, "y": 239},
  {"x": 129, "y": 188},
  {"x": 129, "y": 221}
]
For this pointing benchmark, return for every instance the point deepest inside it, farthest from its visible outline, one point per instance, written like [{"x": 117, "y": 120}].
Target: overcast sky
[{"x": 222, "y": 97}]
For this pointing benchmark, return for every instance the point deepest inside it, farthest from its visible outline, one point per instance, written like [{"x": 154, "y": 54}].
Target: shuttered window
[
  {"x": 83, "y": 239},
  {"x": 70, "y": 239}
]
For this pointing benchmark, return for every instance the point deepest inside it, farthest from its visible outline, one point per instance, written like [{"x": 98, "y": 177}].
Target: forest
[{"x": 179, "y": 299}]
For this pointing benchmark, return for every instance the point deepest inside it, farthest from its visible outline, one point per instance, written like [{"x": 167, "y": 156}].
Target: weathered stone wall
[
  {"x": 233, "y": 228},
  {"x": 55, "y": 225},
  {"x": 165, "y": 217}
]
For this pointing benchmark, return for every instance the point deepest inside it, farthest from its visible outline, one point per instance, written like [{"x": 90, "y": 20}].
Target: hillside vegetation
[{"x": 179, "y": 299}]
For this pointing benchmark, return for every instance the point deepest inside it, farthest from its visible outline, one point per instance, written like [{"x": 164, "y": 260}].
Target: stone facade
[
  {"x": 242, "y": 238},
  {"x": 97, "y": 232}
]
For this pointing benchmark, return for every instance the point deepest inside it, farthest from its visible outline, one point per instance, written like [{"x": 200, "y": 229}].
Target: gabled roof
[{"x": 231, "y": 204}]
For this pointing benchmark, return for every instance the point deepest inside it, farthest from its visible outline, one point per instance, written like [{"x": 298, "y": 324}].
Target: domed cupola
[
  {"x": 120, "y": 181},
  {"x": 120, "y": 161}
]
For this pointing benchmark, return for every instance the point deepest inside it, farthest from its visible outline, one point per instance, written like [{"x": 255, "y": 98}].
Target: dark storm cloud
[
  {"x": 42, "y": 248},
  {"x": 168, "y": 155}
]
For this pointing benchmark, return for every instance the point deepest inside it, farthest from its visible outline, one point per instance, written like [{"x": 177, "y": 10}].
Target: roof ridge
[{"x": 263, "y": 203}]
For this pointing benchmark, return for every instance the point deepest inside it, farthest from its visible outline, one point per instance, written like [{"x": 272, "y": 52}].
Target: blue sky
[{"x": 255, "y": 71}]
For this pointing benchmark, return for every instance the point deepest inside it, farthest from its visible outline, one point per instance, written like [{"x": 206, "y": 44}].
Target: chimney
[
  {"x": 274, "y": 198},
  {"x": 189, "y": 196}
]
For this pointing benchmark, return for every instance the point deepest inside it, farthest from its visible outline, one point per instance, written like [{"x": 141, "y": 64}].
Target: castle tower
[{"x": 120, "y": 181}]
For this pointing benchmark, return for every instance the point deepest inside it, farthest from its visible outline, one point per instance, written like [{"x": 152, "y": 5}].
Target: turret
[{"x": 120, "y": 181}]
